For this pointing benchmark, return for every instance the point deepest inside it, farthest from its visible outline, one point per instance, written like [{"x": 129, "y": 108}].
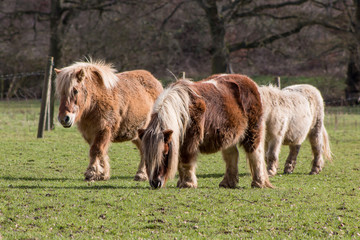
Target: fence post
[
  {"x": 52, "y": 101},
  {"x": 278, "y": 83},
  {"x": 45, "y": 99},
  {"x": 2, "y": 88}
]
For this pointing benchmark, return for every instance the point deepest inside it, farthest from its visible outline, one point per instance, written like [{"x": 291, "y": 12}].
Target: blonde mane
[
  {"x": 66, "y": 79},
  {"x": 172, "y": 108},
  {"x": 272, "y": 96}
]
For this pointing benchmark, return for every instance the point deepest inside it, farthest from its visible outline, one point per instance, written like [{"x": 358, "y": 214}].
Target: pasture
[{"x": 43, "y": 194}]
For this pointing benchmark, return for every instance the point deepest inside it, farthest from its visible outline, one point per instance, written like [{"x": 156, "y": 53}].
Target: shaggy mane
[
  {"x": 172, "y": 110},
  {"x": 271, "y": 96},
  {"x": 66, "y": 79},
  {"x": 172, "y": 106}
]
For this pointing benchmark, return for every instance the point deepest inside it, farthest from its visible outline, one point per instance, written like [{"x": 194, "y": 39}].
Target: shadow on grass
[
  {"x": 94, "y": 187},
  {"x": 219, "y": 175},
  {"x": 63, "y": 179},
  {"x": 292, "y": 174},
  {"x": 8, "y": 178}
]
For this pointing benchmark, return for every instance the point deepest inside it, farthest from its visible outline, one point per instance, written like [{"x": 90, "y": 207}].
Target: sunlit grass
[{"x": 43, "y": 194}]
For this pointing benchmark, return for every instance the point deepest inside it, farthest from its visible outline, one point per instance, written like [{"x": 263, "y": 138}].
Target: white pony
[{"x": 291, "y": 115}]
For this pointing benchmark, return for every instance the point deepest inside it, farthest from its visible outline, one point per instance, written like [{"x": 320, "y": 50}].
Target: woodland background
[{"x": 313, "y": 39}]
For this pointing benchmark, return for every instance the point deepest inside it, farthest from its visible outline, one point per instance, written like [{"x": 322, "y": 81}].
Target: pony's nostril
[{"x": 67, "y": 119}]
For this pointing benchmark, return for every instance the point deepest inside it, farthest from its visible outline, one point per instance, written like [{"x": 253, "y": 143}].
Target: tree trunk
[
  {"x": 218, "y": 51},
  {"x": 352, "y": 90},
  {"x": 55, "y": 21},
  {"x": 54, "y": 49}
]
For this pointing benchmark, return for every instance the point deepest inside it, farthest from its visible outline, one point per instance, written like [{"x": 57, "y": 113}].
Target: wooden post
[
  {"x": 52, "y": 100},
  {"x": 278, "y": 83},
  {"x": 2, "y": 88},
  {"x": 47, "y": 114},
  {"x": 45, "y": 99}
]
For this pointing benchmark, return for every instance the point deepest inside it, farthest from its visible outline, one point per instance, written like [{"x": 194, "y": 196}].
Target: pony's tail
[{"x": 326, "y": 145}]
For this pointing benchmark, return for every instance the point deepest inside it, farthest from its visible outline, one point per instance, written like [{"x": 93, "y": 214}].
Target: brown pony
[
  {"x": 207, "y": 116},
  {"x": 107, "y": 107}
]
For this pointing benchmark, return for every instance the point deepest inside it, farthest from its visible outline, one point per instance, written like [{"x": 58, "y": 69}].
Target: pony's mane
[
  {"x": 271, "y": 96},
  {"x": 172, "y": 107},
  {"x": 66, "y": 79},
  {"x": 172, "y": 110}
]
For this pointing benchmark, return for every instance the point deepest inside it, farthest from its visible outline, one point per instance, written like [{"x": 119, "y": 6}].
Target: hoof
[
  {"x": 141, "y": 177},
  {"x": 225, "y": 183},
  {"x": 288, "y": 170},
  {"x": 92, "y": 176},
  {"x": 265, "y": 184},
  {"x": 272, "y": 170},
  {"x": 315, "y": 170},
  {"x": 95, "y": 178},
  {"x": 186, "y": 185}
]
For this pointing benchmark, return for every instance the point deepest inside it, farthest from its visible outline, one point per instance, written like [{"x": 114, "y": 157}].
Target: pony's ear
[
  {"x": 80, "y": 75},
  {"x": 167, "y": 135},
  {"x": 57, "y": 71},
  {"x": 141, "y": 132}
]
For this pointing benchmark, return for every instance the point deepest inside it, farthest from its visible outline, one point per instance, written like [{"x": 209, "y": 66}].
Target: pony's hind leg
[
  {"x": 141, "y": 174},
  {"x": 187, "y": 177},
  {"x": 272, "y": 156},
  {"x": 291, "y": 159},
  {"x": 231, "y": 157},
  {"x": 99, "y": 167},
  {"x": 316, "y": 142}
]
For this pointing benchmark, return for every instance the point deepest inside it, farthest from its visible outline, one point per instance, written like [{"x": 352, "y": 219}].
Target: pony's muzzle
[
  {"x": 66, "y": 121},
  {"x": 155, "y": 183}
]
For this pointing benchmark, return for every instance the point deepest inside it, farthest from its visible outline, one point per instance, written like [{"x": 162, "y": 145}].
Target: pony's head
[
  {"x": 74, "y": 85},
  {"x": 157, "y": 153}
]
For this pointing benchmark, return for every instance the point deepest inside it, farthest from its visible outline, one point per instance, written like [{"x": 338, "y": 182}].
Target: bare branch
[
  {"x": 256, "y": 10},
  {"x": 171, "y": 14},
  {"x": 260, "y": 42}
]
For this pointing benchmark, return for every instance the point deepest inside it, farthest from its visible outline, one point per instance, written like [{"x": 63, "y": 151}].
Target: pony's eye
[{"x": 75, "y": 91}]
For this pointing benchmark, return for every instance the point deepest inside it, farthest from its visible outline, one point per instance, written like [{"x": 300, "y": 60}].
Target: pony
[
  {"x": 291, "y": 115},
  {"x": 107, "y": 107},
  {"x": 212, "y": 115}
]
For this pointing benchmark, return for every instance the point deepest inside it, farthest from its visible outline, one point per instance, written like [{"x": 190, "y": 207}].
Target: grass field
[{"x": 43, "y": 194}]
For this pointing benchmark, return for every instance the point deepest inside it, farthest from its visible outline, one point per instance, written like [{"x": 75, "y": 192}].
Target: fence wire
[{"x": 20, "y": 75}]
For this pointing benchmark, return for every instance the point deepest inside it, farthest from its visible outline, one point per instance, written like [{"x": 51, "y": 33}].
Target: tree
[
  {"x": 220, "y": 14},
  {"x": 342, "y": 19}
]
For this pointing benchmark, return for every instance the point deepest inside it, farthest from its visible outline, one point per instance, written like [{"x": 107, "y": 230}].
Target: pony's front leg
[
  {"x": 291, "y": 159},
  {"x": 231, "y": 158},
  {"x": 187, "y": 177},
  {"x": 99, "y": 167},
  {"x": 141, "y": 174},
  {"x": 260, "y": 177}
]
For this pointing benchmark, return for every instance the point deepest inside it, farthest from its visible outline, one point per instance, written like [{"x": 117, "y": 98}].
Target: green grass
[{"x": 43, "y": 194}]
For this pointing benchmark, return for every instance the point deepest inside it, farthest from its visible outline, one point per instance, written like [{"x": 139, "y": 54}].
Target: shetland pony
[
  {"x": 291, "y": 115},
  {"x": 107, "y": 107},
  {"x": 212, "y": 115}
]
